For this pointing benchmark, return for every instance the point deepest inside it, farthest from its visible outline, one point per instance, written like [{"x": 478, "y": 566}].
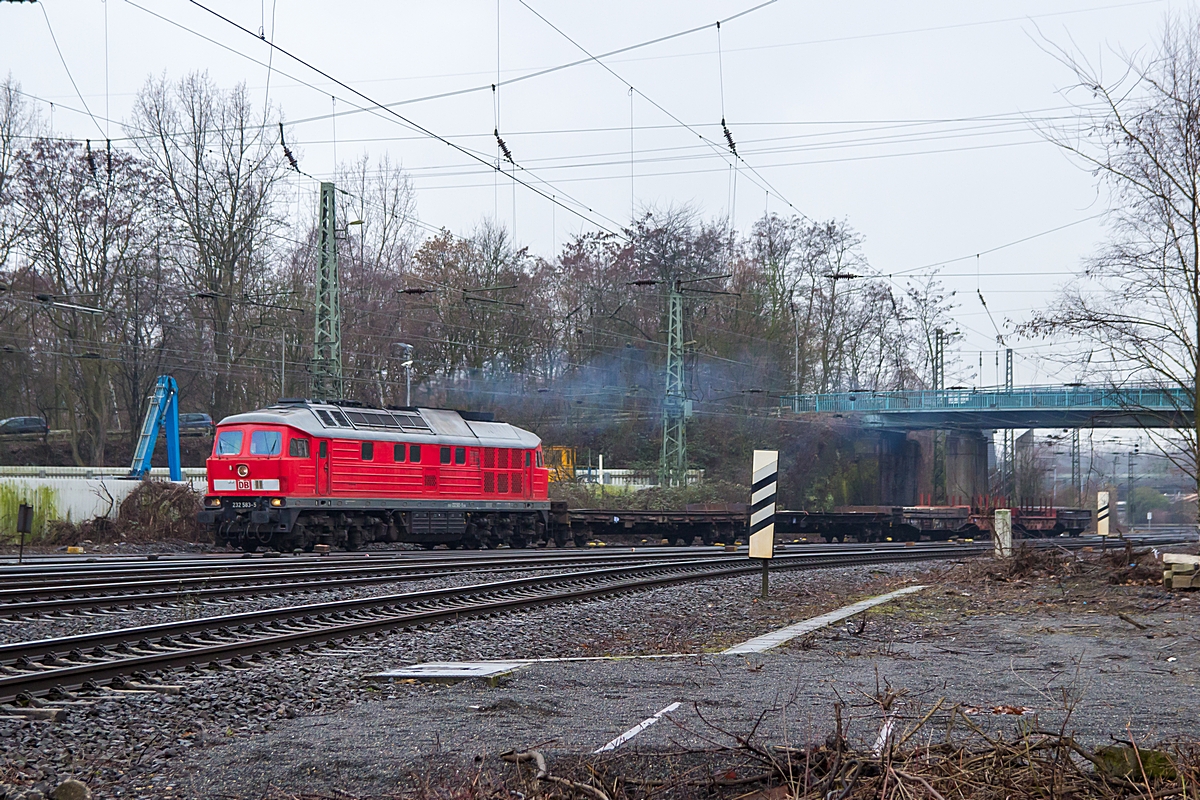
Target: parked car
[
  {"x": 15, "y": 425},
  {"x": 196, "y": 425}
]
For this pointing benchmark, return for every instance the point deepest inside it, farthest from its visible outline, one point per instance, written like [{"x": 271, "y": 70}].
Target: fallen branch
[{"x": 543, "y": 774}]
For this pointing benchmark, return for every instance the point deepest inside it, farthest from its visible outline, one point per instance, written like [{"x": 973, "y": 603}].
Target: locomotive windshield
[
  {"x": 229, "y": 443},
  {"x": 265, "y": 443}
]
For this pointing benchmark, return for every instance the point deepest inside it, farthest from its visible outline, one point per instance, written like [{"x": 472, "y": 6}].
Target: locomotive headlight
[
  {"x": 242, "y": 470},
  {"x": 212, "y": 502},
  {"x": 277, "y": 501}
]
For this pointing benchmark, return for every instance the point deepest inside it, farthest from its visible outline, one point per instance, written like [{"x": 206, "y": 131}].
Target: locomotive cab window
[
  {"x": 368, "y": 451},
  {"x": 528, "y": 458},
  {"x": 229, "y": 443},
  {"x": 398, "y": 454},
  {"x": 460, "y": 455},
  {"x": 540, "y": 461},
  {"x": 265, "y": 443},
  {"x": 414, "y": 453},
  {"x": 445, "y": 455},
  {"x": 298, "y": 448}
]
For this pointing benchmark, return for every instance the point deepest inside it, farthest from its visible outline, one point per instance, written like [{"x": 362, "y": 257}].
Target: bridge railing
[{"x": 1086, "y": 398}]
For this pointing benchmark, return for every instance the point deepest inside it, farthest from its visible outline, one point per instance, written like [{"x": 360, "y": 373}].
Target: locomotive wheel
[
  {"x": 581, "y": 539},
  {"x": 560, "y": 538},
  {"x": 518, "y": 542}
]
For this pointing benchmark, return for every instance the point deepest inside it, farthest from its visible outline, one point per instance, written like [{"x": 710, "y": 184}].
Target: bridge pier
[
  {"x": 966, "y": 471},
  {"x": 904, "y": 474}
]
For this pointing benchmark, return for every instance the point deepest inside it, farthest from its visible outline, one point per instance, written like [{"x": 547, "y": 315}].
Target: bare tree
[
  {"x": 1138, "y": 303},
  {"x": 17, "y": 121},
  {"x": 90, "y": 222},
  {"x": 222, "y": 166}
]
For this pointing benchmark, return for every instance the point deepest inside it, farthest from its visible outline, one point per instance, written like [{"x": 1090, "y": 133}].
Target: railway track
[
  {"x": 31, "y": 668},
  {"x": 38, "y": 599},
  {"x": 60, "y": 593}
]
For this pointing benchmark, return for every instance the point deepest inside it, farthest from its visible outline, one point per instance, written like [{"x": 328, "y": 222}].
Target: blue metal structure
[
  {"x": 162, "y": 412},
  {"x": 1031, "y": 407}
]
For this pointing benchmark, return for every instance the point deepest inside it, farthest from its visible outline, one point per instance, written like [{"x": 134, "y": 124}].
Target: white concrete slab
[
  {"x": 765, "y": 642},
  {"x": 451, "y": 672}
]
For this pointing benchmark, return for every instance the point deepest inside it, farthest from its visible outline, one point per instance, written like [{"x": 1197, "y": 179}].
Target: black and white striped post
[
  {"x": 1102, "y": 519},
  {"x": 763, "y": 488}
]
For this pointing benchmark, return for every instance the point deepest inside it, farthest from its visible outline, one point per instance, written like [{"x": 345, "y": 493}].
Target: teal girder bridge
[{"x": 1030, "y": 407}]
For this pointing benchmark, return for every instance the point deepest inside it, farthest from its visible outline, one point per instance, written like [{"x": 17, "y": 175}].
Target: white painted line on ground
[
  {"x": 765, "y": 642},
  {"x": 636, "y": 729}
]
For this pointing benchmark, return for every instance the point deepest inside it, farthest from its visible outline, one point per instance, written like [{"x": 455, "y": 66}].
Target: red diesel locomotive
[{"x": 300, "y": 473}]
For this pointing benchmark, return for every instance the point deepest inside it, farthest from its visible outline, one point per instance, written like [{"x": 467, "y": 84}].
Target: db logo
[{"x": 243, "y": 485}]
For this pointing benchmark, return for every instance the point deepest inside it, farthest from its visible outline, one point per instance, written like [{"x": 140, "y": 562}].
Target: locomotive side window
[
  {"x": 229, "y": 443},
  {"x": 398, "y": 454},
  {"x": 445, "y": 455},
  {"x": 414, "y": 453},
  {"x": 528, "y": 457},
  {"x": 460, "y": 455},
  {"x": 265, "y": 443},
  {"x": 540, "y": 460},
  {"x": 323, "y": 450},
  {"x": 368, "y": 451},
  {"x": 298, "y": 448}
]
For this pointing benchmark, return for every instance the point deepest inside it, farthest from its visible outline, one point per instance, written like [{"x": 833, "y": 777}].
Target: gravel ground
[
  {"x": 1064, "y": 644},
  {"x": 140, "y": 745}
]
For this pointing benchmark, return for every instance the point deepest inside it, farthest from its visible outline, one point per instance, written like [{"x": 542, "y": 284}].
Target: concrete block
[{"x": 491, "y": 672}]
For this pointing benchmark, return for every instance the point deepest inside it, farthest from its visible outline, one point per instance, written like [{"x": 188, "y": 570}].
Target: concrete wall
[{"x": 73, "y": 494}]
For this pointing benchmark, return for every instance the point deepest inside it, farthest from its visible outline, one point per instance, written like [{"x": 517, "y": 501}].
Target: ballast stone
[{"x": 72, "y": 789}]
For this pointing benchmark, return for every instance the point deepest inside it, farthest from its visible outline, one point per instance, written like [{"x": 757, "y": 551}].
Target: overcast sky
[{"x": 910, "y": 120}]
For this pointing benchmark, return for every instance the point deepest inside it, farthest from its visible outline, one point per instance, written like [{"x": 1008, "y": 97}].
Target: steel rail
[
  {"x": 236, "y": 636},
  {"x": 151, "y": 570},
  {"x": 29, "y": 602},
  {"x": 252, "y": 588},
  {"x": 137, "y": 588}
]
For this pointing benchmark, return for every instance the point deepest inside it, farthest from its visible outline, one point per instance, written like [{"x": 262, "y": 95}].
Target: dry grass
[{"x": 154, "y": 512}]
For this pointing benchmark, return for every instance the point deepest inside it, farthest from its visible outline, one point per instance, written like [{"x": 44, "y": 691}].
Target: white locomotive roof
[{"x": 419, "y": 425}]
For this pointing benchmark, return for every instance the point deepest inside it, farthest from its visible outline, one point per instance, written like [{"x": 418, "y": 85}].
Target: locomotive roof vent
[
  {"x": 291, "y": 401},
  {"x": 477, "y": 416}
]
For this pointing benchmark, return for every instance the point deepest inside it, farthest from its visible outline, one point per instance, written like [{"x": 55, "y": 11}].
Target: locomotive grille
[
  {"x": 489, "y": 482},
  {"x": 489, "y": 458},
  {"x": 502, "y": 483},
  {"x": 502, "y": 459},
  {"x": 516, "y": 483}
]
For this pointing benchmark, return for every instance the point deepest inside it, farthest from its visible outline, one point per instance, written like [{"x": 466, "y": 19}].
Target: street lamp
[{"x": 407, "y": 364}]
